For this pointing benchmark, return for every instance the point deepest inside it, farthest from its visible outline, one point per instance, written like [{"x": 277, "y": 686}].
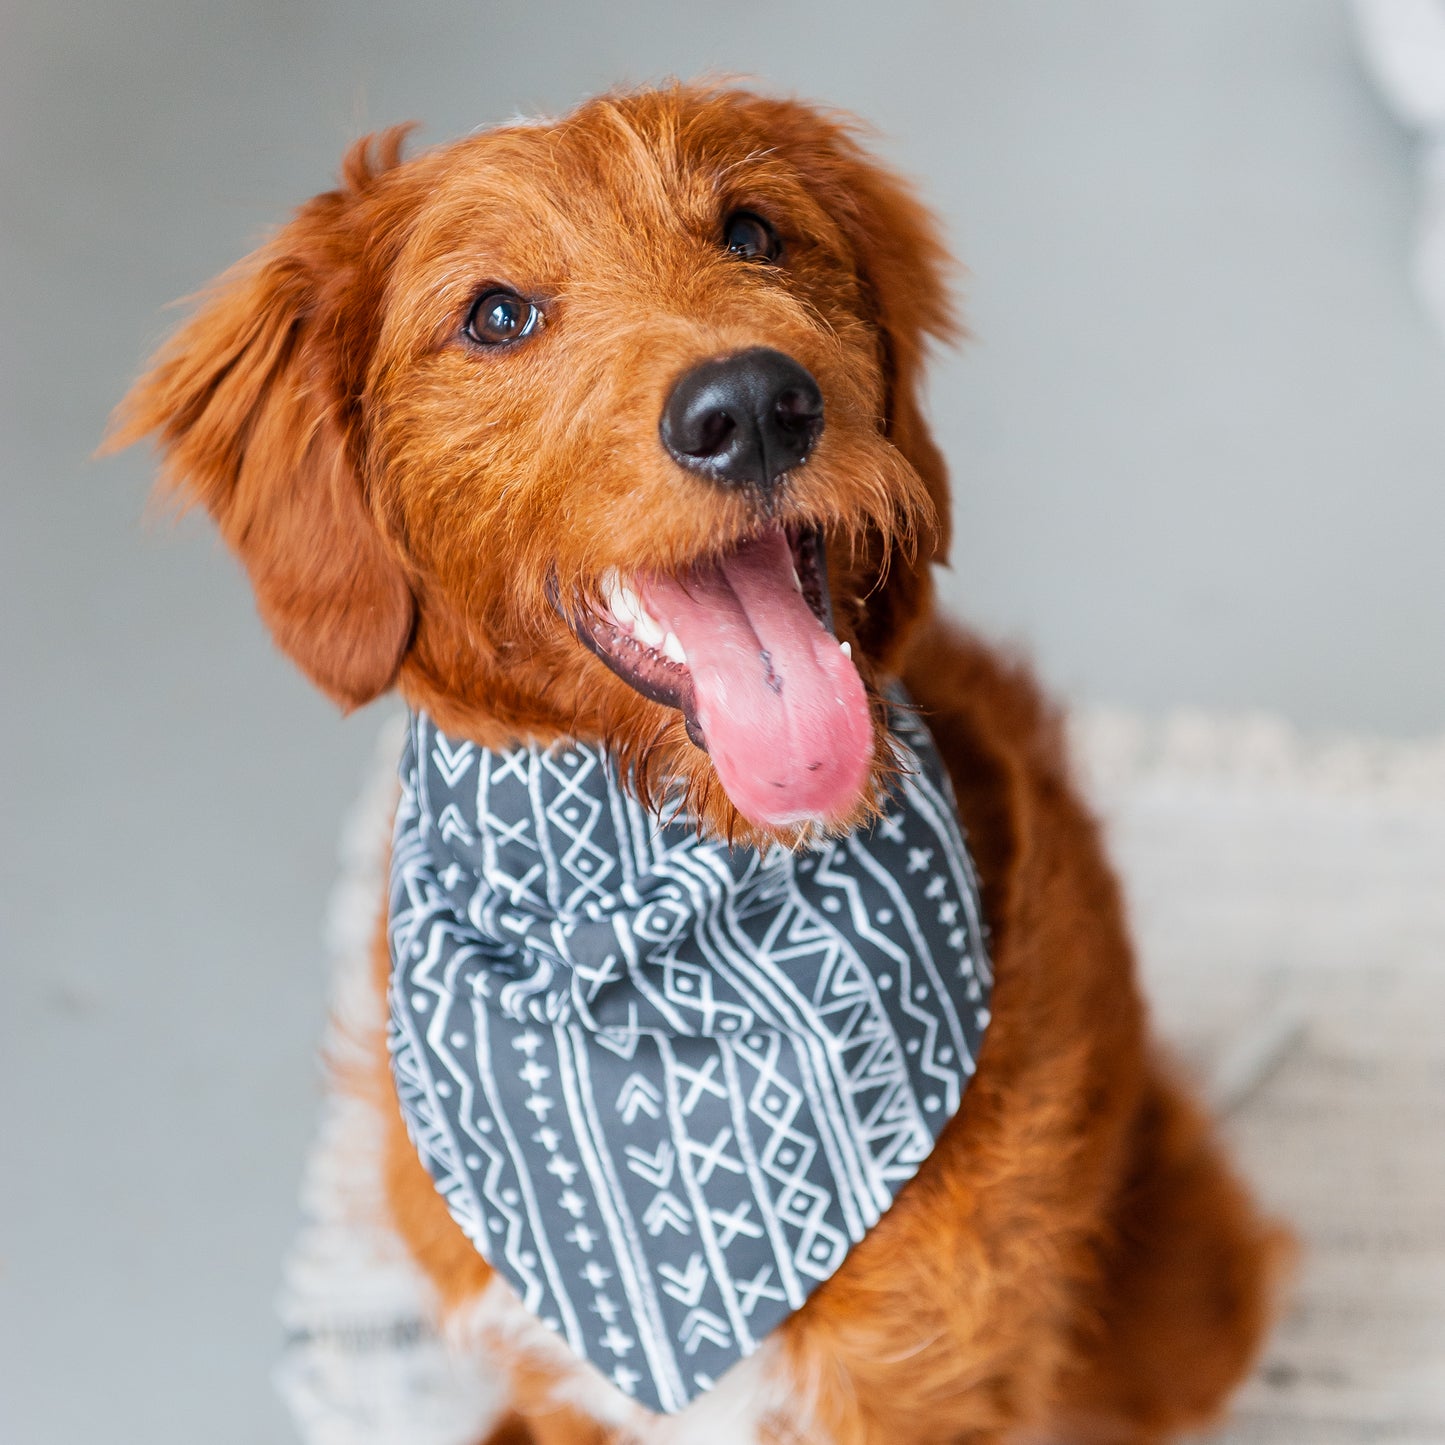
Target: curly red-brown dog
[{"x": 600, "y": 440}]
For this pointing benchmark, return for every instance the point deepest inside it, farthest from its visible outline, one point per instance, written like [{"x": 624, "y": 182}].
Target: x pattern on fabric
[{"x": 664, "y": 1086}]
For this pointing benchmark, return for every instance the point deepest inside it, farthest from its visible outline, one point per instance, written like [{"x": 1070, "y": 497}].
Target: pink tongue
[{"x": 782, "y": 709}]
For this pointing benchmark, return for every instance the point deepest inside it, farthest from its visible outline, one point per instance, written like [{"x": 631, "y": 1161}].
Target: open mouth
[{"x": 744, "y": 646}]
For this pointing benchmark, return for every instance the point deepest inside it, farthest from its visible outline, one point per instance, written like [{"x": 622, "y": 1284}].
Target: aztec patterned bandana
[{"x": 663, "y": 1086}]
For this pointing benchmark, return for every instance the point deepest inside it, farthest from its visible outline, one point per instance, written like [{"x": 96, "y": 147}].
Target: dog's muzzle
[{"x": 743, "y": 420}]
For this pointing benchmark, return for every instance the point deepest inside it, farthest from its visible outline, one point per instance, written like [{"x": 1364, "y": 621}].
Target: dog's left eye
[
  {"x": 750, "y": 237},
  {"x": 500, "y": 317}
]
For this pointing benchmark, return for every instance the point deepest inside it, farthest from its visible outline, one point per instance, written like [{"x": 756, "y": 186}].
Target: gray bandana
[{"x": 664, "y": 1087}]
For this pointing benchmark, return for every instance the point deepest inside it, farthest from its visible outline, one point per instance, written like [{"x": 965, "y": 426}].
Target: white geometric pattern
[{"x": 663, "y": 1086}]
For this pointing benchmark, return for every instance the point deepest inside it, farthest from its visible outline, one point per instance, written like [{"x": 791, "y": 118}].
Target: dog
[{"x": 601, "y": 439}]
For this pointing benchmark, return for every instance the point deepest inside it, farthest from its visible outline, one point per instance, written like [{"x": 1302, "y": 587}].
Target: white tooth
[
  {"x": 646, "y": 629},
  {"x": 847, "y": 650},
  {"x": 626, "y": 607},
  {"x": 611, "y": 592},
  {"x": 629, "y": 614},
  {"x": 797, "y": 581},
  {"x": 672, "y": 648}
]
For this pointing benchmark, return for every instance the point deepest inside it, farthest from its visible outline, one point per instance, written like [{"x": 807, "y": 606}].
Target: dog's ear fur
[{"x": 256, "y": 404}]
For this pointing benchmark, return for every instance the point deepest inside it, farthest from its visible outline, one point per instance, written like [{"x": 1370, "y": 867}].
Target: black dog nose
[{"x": 745, "y": 419}]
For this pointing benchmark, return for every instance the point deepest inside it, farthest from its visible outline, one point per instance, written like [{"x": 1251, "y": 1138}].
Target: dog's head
[{"x": 603, "y": 428}]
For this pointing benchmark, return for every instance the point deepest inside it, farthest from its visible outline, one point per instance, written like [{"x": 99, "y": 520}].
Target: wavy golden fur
[{"x": 1075, "y": 1262}]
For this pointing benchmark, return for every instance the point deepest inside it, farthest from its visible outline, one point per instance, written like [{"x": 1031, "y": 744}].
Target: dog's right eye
[
  {"x": 750, "y": 237},
  {"x": 500, "y": 317}
]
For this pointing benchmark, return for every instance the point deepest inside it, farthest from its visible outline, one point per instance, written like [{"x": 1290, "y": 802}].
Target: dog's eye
[
  {"x": 500, "y": 317},
  {"x": 750, "y": 237}
]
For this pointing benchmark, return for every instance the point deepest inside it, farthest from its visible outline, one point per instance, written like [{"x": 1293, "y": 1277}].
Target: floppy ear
[
  {"x": 903, "y": 263},
  {"x": 255, "y": 403}
]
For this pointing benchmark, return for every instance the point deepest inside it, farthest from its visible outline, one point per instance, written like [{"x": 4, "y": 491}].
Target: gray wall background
[{"x": 1197, "y": 443}]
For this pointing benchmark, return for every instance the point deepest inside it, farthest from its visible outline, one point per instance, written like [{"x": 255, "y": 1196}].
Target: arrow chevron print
[{"x": 664, "y": 1087}]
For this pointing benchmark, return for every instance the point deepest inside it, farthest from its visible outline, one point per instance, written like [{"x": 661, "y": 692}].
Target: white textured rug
[{"x": 1289, "y": 901}]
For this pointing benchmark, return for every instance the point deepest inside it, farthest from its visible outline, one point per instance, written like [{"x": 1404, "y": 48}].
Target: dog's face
[{"x": 603, "y": 428}]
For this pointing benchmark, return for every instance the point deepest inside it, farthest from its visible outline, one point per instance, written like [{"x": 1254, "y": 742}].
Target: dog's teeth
[
  {"x": 672, "y": 648},
  {"x": 647, "y": 632},
  {"x": 611, "y": 590},
  {"x": 797, "y": 581},
  {"x": 645, "y": 627},
  {"x": 847, "y": 650},
  {"x": 634, "y": 619},
  {"x": 625, "y": 607}
]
